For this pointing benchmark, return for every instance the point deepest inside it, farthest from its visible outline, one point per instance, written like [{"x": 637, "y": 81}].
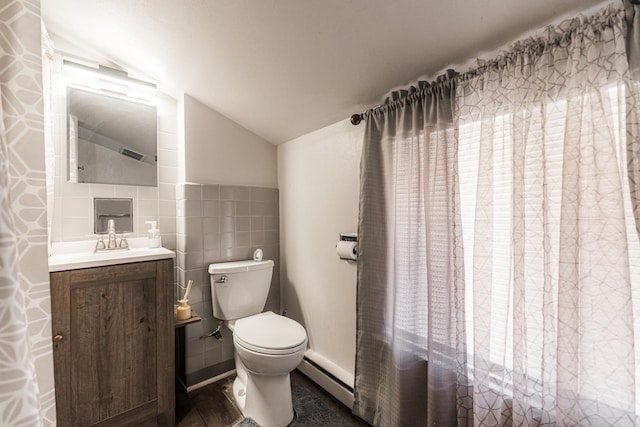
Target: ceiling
[{"x": 283, "y": 68}]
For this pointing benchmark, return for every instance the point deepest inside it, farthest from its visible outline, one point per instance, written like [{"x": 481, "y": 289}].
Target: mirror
[{"x": 112, "y": 140}]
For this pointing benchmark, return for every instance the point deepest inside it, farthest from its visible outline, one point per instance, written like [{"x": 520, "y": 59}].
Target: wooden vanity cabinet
[{"x": 113, "y": 330}]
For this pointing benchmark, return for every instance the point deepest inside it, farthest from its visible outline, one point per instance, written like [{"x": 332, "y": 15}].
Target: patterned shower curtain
[
  {"x": 19, "y": 394},
  {"x": 26, "y": 368},
  {"x": 551, "y": 254}
]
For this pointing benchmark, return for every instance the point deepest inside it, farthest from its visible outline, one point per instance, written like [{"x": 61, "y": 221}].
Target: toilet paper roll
[{"x": 347, "y": 250}]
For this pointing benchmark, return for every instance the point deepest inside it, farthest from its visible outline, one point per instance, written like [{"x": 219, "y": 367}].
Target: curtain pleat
[
  {"x": 49, "y": 149},
  {"x": 633, "y": 124},
  {"x": 410, "y": 359}
]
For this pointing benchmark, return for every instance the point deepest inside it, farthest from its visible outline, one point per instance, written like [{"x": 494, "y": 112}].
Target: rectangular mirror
[
  {"x": 112, "y": 140},
  {"x": 119, "y": 210}
]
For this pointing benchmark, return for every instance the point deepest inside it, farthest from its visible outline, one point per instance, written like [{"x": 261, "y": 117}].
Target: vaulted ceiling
[{"x": 283, "y": 68}]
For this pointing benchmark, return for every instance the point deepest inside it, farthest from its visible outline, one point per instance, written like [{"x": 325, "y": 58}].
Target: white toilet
[{"x": 267, "y": 346}]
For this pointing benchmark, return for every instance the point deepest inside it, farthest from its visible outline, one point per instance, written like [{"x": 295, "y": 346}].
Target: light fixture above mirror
[{"x": 108, "y": 80}]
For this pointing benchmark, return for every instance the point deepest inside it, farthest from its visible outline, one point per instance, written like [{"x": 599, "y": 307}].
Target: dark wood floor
[
  {"x": 207, "y": 406},
  {"x": 212, "y": 405}
]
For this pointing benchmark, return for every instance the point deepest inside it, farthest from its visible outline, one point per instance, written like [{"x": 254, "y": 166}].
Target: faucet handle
[
  {"x": 123, "y": 242},
  {"x": 100, "y": 244}
]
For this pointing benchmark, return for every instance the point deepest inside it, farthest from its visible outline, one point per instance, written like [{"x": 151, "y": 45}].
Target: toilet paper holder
[
  {"x": 347, "y": 247},
  {"x": 348, "y": 237}
]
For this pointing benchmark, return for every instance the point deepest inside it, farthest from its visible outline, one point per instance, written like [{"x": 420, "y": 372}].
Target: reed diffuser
[{"x": 183, "y": 311}]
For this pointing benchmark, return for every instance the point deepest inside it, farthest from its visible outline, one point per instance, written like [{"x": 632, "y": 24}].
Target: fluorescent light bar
[{"x": 108, "y": 79}]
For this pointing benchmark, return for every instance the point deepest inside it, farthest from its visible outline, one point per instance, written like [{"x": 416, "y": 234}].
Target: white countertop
[{"x": 76, "y": 255}]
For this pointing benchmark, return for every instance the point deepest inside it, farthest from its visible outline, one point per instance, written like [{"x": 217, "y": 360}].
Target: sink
[{"x": 76, "y": 255}]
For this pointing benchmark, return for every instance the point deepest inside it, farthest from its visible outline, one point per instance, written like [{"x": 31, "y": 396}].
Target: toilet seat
[{"x": 269, "y": 333}]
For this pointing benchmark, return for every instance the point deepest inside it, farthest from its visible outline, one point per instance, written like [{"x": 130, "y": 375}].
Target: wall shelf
[{"x": 193, "y": 319}]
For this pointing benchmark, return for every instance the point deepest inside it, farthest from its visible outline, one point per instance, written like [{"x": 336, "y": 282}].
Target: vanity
[
  {"x": 113, "y": 335},
  {"x": 111, "y": 297}
]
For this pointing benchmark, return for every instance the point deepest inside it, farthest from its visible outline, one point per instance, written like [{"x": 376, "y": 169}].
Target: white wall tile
[
  {"x": 167, "y": 208},
  {"x": 77, "y": 207},
  {"x": 103, "y": 190},
  {"x": 147, "y": 193},
  {"x": 147, "y": 208},
  {"x": 167, "y": 157},
  {"x": 167, "y": 191},
  {"x": 167, "y": 224},
  {"x": 126, "y": 191},
  {"x": 167, "y": 175}
]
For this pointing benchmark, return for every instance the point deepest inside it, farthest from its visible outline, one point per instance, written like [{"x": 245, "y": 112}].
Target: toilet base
[{"x": 265, "y": 399}]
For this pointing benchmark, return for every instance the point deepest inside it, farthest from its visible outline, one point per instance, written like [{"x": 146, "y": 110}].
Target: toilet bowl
[{"x": 267, "y": 347}]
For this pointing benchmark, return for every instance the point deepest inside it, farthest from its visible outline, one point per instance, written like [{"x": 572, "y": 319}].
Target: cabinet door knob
[{"x": 57, "y": 338}]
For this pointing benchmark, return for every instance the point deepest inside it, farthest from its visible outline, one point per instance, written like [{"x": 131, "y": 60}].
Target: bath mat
[
  {"x": 312, "y": 412},
  {"x": 247, "y": 422}
]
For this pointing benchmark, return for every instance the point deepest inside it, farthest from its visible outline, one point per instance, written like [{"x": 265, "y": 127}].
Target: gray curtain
[
  {"x": 410, "y": 354},
  {"x": 633, "y": 124}
]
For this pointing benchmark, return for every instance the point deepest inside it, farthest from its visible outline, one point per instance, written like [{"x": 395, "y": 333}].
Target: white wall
[
  {"x": 220, "y": 151},
  {"x": 318, "y": 178}
]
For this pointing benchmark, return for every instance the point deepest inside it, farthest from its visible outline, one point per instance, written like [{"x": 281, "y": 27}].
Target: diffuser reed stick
[{"x": 186, "y": 293}]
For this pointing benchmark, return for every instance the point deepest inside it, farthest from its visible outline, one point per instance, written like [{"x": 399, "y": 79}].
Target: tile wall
[{"x": 219, "y": 223}]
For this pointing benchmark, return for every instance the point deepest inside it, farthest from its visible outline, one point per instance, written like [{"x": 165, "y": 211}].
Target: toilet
[{"x": 267, "y": 346}]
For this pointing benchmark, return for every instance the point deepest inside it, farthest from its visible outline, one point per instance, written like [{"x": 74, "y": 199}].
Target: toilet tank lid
[{"x": 239, "y": 266}]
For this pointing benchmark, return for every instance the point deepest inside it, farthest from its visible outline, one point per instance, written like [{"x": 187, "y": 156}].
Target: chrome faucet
[
  {"x": 111, "y": 231},
  {"x": 112, "y": 242}
]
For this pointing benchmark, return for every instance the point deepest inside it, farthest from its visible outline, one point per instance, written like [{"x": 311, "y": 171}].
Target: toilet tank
[{"x": 239, "y": 288}]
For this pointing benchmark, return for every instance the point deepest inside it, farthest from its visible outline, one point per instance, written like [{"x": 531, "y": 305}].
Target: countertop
[{"x": 76, "y": 255}]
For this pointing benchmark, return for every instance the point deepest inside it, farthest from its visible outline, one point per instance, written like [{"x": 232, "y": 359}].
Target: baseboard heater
[{"x": 330, "y": 382}]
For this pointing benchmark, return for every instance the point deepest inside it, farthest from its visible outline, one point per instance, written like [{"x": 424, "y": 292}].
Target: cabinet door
[{"x": 109, "y": 324}]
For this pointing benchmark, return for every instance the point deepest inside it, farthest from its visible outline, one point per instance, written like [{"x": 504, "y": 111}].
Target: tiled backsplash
[{"x": 219, "y": 223}]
